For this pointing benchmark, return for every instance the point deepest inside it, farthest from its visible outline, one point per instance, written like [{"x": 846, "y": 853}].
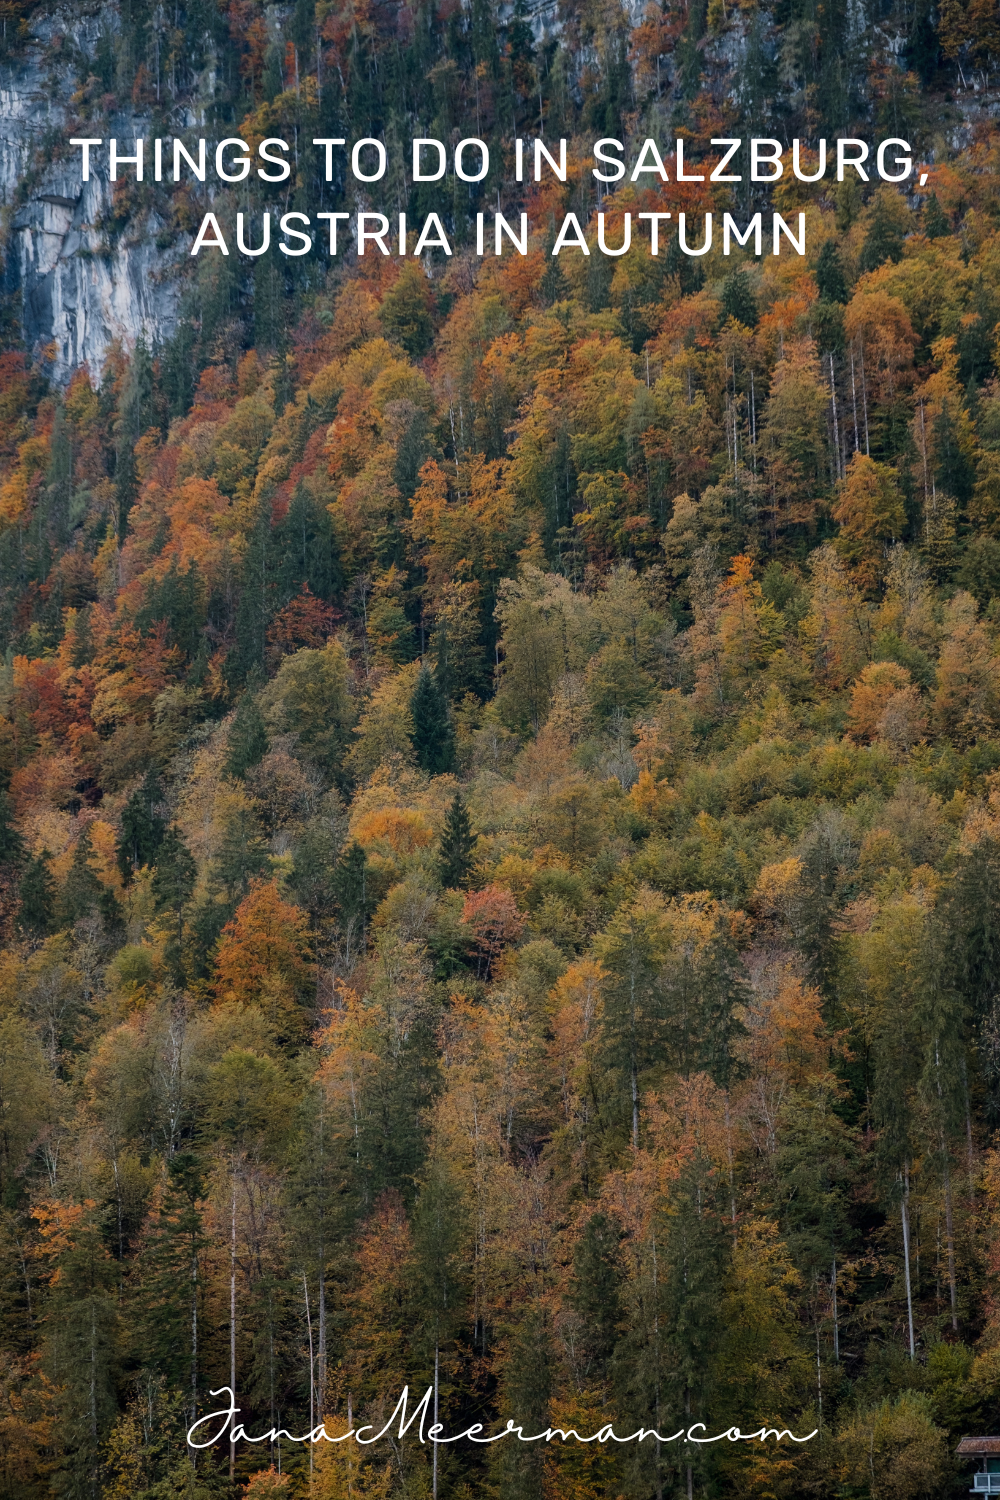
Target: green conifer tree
[
  {"x": 433, "y": 736},
  {"x": 738, "y": 300},
  {"x": 142, "y": 827},
  {"x": 935, "y": 221},
  {"x": 831, "y": 282},
  {"x": 81, "y": 891},
  {"x": 953, "y": 472},
  {"x": 173, "y": 886},
  {"x": 169, "y": 1289},
  {"x": 247, "y": 744},
  {"x": 11, "y": 843},
  {"x": 457, "y": 843},
  {"x": 242, "y": 852},
  {"x": 37, "y": 896},
  {"x": 883, "y": 241},
  {"x": 350, "y": 889},
  {"x": 596, "y": 1292},
  {"x": 406, "y": 311}
]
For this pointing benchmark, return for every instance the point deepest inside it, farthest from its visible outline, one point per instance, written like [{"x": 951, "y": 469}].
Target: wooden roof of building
[{"x": 979, "y": 1445}]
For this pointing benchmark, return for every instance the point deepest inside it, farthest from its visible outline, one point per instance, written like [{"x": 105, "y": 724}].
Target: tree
[
  {"x": 543, "y": 624},
  {"x": 310, "y": 697},
  {"x": 830, "y": 280},
  {"x": 405, "y": 313},
  {"x": 142, "y": 827},
  {"x": 81, "y": 890},
  {"x": 695, "y": 1247},
  {"x": 631, "y": 950},
  {"x": 264, "y": 952},
  {"x": 738, "y": 300},
  {"x": 935, "y": 221},
  {"x": 350, "y": 888},
  {"x": 307, "y": 547},
  {"x": 171, "y": 1291},
  {"x": 894, "y": 1449},
  {"x": 527, "y": 1378},
  {"x": 884, "y": 240},
  {"x": 37, "y": 896},
  {"x": 457, "y": 844},
  {"x": 794, "y": 439},
  {"x": 597, "y": 1292},
  {"x": 82, "y": 1334},
  {"x": 173, "y": 886},
  {"x": 954, "y": 469},
  {"x": 872, "y": 515},
  {"x": 12, "y": 849},
  {"x": 247, "y": 743},
  {"x": 433, "y": 735}
]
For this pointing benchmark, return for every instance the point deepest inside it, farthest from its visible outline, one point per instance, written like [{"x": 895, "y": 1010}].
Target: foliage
[{"x": 500, "y": 818}]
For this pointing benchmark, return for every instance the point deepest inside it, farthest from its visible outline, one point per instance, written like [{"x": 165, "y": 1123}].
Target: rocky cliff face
[{"x": 79, "y": 293}]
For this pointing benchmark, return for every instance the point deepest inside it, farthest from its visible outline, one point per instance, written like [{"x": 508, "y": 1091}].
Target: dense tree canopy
[{"x": 500, "y": 796}]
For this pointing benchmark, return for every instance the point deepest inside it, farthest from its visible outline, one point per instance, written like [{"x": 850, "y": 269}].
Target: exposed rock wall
[{"x": 78, "y": 293}]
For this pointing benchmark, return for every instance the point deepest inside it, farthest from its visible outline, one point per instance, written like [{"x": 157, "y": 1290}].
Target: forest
[{"x": 499, "y": 816}]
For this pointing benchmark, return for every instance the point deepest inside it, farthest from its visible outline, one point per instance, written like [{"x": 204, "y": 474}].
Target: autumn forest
[{"x": 500, "y": 786}]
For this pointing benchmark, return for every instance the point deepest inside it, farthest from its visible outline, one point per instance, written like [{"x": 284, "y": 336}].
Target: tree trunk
[
  {"x": 904, "y": 1208},
  {"x": 232, "y": 1327},
  {"x": 312, "y": 1376},
  {"x": 950, "y": 1238},
  {"x": 836, "y": 1324},
  {"x": 434, "y": 1455}
]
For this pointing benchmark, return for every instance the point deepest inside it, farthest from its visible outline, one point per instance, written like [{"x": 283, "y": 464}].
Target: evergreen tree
[
  {"x": 827, "y": 322},
  {"x": 694, "y": 1245},
  {"x": 37, "y": 896},
  {"x": 935, "y": 221},
  {"x": 206, "y": 918},
  {"x": 631, "y": 950},
  {"x": 553, "y": 285},
  {"x": 307, "y": 547},
  {"x": 59, "y": 480},
  {"x": 177, "y": 598},
  {"x": 457, "y": 842},
  {"x": 527, "y": 1378},
  {"x": 242, "y": 852},
  {"x": 406, "y": 311},
  {"x": 173, "y": 886},
  {"x": 142, "y": 827},
  {"x": 247, "y": 743},
  {"x": 433, "y": 736},
  {"x": 597, "y": 1292},
  {"x": 831, "y": 282},
  {"x": 273, "y": 82},
  {"x": 953, "y": 472},
  {"x": 883, "y": 241},
  {"x": 738, "y": 300},
  {"x": 350, "y": 887},
  {"x": 316, "y": 855},
  {"x": 170, "y": 1290},
  {"x": 268, "y": 301},
  {"x": 81, "y": 890},
  {"x": 11, "y": 843},
  {"x": 82, "y": 1350},
  {"x": 135, "y": 416},
  {"x": 257, "y": 600}
]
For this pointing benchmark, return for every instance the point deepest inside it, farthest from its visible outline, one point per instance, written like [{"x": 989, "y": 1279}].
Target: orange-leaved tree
[{"x": 263, "y": 955}]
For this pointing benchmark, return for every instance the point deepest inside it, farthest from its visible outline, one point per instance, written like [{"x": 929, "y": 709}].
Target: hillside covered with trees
[{"x": 500, "y": 812}]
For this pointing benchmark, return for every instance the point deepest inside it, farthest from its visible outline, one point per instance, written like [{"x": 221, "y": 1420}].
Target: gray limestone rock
[{"x": 79, "y": 291}]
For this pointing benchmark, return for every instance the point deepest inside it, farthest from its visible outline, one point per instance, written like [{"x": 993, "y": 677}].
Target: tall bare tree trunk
[
  {"x": 904, "y": 1208},
  {"x": 232, "y": 1327},
  {"x": 312, "y": 1378},
  {"x": 434, "y": 1471}
]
